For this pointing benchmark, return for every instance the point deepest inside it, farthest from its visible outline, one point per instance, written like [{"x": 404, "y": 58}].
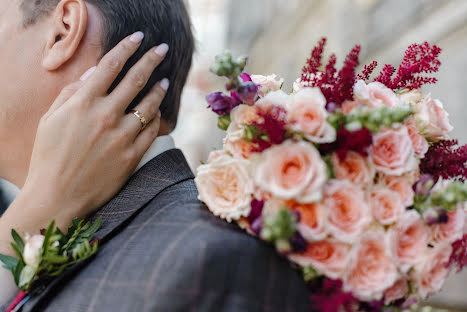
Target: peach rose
[
  {"x": 409, "y": 240},
  {"x": 399, "y": 290},
  {"x": 329, "y": 257},
  {"x": 307, "y": 114},
  {"x": 420, "y": 144},
  {"x": 412, "y": 98},
  {"x": 371, "y": 270},
  {"x": 349, "y": 214},
  {"x": 375, "y": 94},
  {"x": 239, "y": 148},
  {"x": 292, "y": 171},
  {"x": 348, "y": 106},
  {"x": 434, "y": 118},
  {"x": 225, "y": 187},
  {"x": 431, "y": 275},
  {"x": 267, "y": 83},
  {"x": 313, "y": 219},
  {"x": 354, "y": 168},
  {"x": 403, "y": 186},
  {"x": 392, "y": 152},
  {"x": 274, "y": 98},
  {"x": 215, "y": 155},
  {"x": 386, "y": 205},
  {"x": 451, "y": 231},
  {"x": 240, "y": 116}
]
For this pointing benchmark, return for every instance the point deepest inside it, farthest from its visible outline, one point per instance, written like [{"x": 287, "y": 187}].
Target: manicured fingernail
[
  {"x": 88, "y": 73},
  {"x": 162, "y": 49},
  {"x": 137, "y": 37},
  {"x": 165, "y": 83}
]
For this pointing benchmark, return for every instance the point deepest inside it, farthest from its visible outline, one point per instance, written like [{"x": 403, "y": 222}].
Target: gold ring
[{"x": 141, "y": 118}]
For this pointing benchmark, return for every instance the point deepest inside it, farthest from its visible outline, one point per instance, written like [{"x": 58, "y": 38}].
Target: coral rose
[
  {"x": 386, "y": 205},
  {"x": 409, "y": 240},
  {"x": 371, "y": 270},
  {"x": 434, "y": 118},
  {"x": 451, "y": 231},
  {"x": 225, "y": 187},
  {"x": 431, "y": 275},
  {"x": 392, "y": 152},
  {"x": 267, "y": 83},
  {"x": 420, "y": 144},
  {"x": 403, "y": 186},
  {"x": 292, "y": 171},
  {"x": 354, "y": 168},
  {"x": 375, "y": 94},
  {"x": 313, "y": 220},
  {"x": 239, "y": 148},
  {"x": 240, "y": 116},
  {"x": 329, "y": 257},
  {"x": 349, "y": 214},
  {"x": 308, "y": 114},
  {"x": 398, "y": 291},
  {"x": 348, "y": 106}
]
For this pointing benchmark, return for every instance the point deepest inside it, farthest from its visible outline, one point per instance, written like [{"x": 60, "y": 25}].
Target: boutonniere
[{"x": 40, "y": 258}]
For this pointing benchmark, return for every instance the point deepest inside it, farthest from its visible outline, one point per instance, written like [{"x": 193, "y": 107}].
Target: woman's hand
[{"x": 86, "y": 146}]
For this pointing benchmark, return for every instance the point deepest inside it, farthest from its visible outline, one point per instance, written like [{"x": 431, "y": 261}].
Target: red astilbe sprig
[
  {"x": 458, "y": 258},
  {"x": 445, "y": 160},
  {"x": 336, "y": 87},
  {"x": 419, "y": 59},
  {"x": 367, "y": 71},
  {"x": 271, "y": 130}
]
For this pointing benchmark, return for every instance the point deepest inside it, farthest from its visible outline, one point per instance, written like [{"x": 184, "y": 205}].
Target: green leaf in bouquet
[
  {"x": 9, "y": 262},
  {"x": 279, "y": 229},
  {"x": 17, "y": 250},
  {"x": 224, "y": 122},
  {"x": 17, "y": 272},
  {"x": 18, "y": 240},
  {"x": 47, "y": 236},
  {"x": 310, "y": 274},
  {"x": 26, "y": 276}
]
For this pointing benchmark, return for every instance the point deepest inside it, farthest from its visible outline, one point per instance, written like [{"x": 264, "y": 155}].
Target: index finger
[{"x": 111, "y": 65}]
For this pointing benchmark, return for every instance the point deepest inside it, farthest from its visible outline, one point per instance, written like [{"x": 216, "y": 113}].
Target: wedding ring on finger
[{"x": 141, "y": 118}]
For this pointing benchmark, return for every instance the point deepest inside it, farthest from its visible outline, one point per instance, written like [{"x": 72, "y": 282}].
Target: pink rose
[
  {"x": 392, "y": 152},
  {"x": 398, "y": 291},
  {"x": 386, "y": 205},
  {"x": 349, "y": 106},
  {"x": 274, "y": 98},
  {"x": 420, "y": 144},
  {"x": 375, "y": 94},
  {"x": 267, "y": 83},
  {"x": 313, "y": 220},
  {"x": 354, "y": 168},
  {"x": 434, "y": 117},
  {"x": 403, "y": 186},
  {"x": 409, "y": 240},
  {"x": 451, "y": 231},
  {"x": 308, "y": 114},
  {"x": 292, "y": 171},
  {"x": 349, "y": 214},
  {"x": 412, "y": 98},
  {"x": 329, "y": 257},
  {"x": 239, "y": 148},
  {"x": 240, "y": 116},
  {"x": 431, "y": 275},
  {"x": 370, "y": 270},
  {"x": 225, "y": 187}
]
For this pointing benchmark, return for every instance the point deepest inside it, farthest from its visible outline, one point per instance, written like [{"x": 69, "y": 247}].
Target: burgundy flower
[
  {"x": 271, "y": 129},
  {"x": 459, "y": 254},
  {"x": 299, "y": 244},
  {"x": 445, "y": 160},
  {"x": 328, "y": 296},
  {"x": 346, "y": 141},
  {"x": 256, "y": 210},
  {"x": 247, "y": 92},
  {"x": 220, "y": 103}
]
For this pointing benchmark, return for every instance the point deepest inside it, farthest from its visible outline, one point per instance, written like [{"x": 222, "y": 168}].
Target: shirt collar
[{"x": 160, "y": 145}]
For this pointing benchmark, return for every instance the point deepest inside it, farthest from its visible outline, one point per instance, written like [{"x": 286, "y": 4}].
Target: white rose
[
  {"x": 32, "y": 249},
  {"x": 267, "y": 83}
]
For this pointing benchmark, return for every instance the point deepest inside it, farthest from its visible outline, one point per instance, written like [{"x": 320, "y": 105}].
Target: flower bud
[
  {"x": 220, "y": 103},
  {"x": 424, "y": 186},
  {"x": 247, "y": 92},
  {"x": 32, "y": 249}
]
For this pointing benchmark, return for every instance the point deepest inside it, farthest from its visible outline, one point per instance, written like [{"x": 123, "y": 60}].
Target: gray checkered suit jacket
[{"x": 163, "y": 251}]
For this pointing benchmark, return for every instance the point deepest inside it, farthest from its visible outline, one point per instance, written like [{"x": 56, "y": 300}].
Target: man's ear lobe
[{"x": 68, "y": 25}]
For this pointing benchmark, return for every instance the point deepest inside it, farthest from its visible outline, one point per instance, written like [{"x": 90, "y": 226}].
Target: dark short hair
[{"x": 162, "y": 21}]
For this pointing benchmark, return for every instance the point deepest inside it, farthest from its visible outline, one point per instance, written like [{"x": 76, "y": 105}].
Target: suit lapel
[{"x": 165, "y": 170}]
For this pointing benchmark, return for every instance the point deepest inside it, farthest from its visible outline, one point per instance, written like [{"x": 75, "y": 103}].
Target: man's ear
[{"x": 68, "y": 25}]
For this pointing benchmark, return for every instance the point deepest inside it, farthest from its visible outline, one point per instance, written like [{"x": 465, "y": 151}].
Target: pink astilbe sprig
[
  {"x": 367, "y": 71},
  {"x": 445, "y": 160},
  {"x": 329, "y": 296},
  {"x": 458, "y": 258},
  {"x": 336, "y": 86},
  {"x": 419, "y": 59}
]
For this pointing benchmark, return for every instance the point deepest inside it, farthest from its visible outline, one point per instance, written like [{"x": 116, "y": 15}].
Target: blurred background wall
[{"x": 278, "y": 35}]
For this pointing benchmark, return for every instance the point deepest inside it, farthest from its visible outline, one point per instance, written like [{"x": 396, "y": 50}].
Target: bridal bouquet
[{"x": 353, "y": 179}]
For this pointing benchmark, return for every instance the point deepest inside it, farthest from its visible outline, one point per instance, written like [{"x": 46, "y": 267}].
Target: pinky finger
[{"x": 147, "y": 136}]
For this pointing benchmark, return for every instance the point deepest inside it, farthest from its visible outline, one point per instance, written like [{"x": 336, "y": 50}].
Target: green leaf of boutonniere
[{"x": 49, "y": 255}]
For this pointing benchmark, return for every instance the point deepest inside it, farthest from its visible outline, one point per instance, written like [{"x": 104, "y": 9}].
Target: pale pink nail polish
[
  {"x": 165, "y": 83},
  {"x": 162, "y": 49},
  {"x": 88, "y": 73},
  {"x": 137, "y": 37}
]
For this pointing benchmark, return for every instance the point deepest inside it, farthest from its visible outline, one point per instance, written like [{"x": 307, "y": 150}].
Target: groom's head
[{"x": 47, "y": 44}]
